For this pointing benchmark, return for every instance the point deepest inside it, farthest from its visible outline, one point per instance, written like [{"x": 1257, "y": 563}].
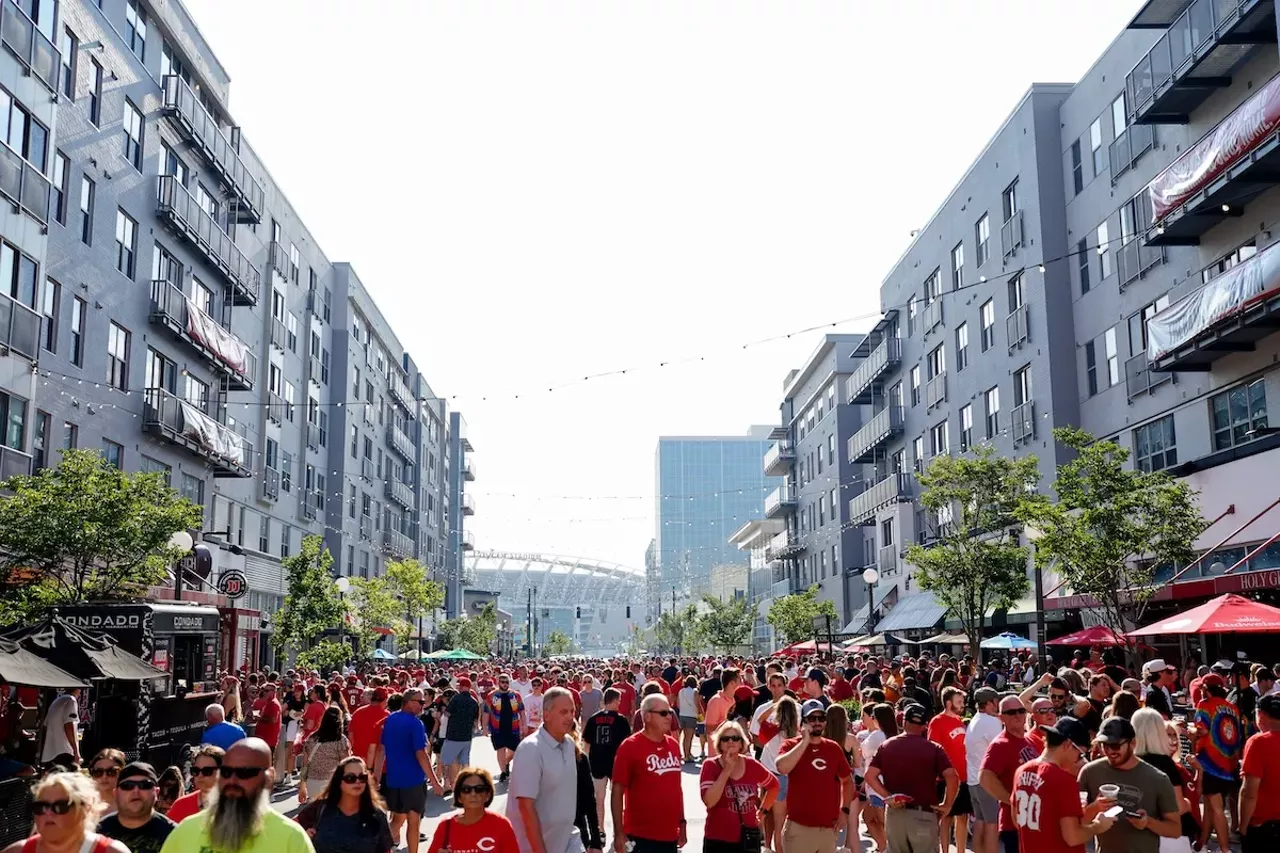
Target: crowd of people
[{"x": 796, "y": 756}]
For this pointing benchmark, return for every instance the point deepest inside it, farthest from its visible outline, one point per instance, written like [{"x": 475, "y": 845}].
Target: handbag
[{"x": 750, "y": 838}]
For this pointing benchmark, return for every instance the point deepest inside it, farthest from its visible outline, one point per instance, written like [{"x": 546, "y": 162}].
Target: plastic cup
[{"x": 1110, "y": 792}]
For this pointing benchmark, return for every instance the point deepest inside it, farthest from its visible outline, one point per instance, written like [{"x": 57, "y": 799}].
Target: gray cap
[{"x": 810, "y": 706}]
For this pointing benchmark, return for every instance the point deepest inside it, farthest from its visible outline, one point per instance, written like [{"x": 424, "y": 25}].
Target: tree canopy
[
  {"x": 557, "y": 643},
  {"x": 473, "y": 633},
  {"x": 312, "y": 603},
  {"x": 792, "y": 615},
  {"x": 726, "y": 625}
]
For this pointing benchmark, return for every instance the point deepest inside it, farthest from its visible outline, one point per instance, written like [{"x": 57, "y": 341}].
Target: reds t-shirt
[
  {"x": 947, "y": 731},
  {"x": 628, "y": 699},
  {"x": 354, "y": 694},
  {"x": 813, "y": 789},
  {"x": 491, "y": 834},
  {"x": 738, "y": 803},
  {"x": 1005, "y": 755},
  {"x": 649, "y": 773},
  {"x": 1043, "y": 794},
  {"x": 270, "y": 715},
  {"x": 1262, "y": 752}
]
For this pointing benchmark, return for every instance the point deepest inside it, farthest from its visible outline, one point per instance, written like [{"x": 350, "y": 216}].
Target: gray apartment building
[
  {"x": 461, "y": 470},
  {"x": 1105, "y": 262},
  {"x": 814, "y": 450},
  {"x": 169, "y": 307}
]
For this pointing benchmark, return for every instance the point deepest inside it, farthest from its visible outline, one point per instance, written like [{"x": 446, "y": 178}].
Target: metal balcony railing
[
  {"x": 190, "y": 220},
  {"x": 1129, "y": 146},
  {"x": 1011, "y": 237},
  {"x": 23, "y": 184},
  {"x": 784, "y": 544},
  {"x": 19, "y": 328},
  {"x": 1022, "y": 421},
  {"x": 778, "y": 458},
  {"x": 1017, "y": 327},
  {"x": 313, "y": 436},
  {"x": 32, "y": 48},
  {"x": 862, "y": 382},
  {"x": 201, "y": 129},
  {"x": 1135, "y": 258},
  {"x": 401, "y": 443},
  {"x": 278, "y": 257},
  {"x": 316, "y": 368},
  {"x": 468, "y": 541},
  {"x": 366, "y": 528},
  {"x": 468, "y": 504},
  {"x": 400, "y": 493},
  {"x": 174, "y": 310},
  {"x": 270, "y": 484},
  {"x": 779, "y": 500},
  {"x": 887, "y": 561},
  {"x": 14, "y": 463},
  {"x": 469, "y": 469},
  {"x": 366, "y": 413},
  {"x": 1139, "y": 378},
  {"x": 933, "y": 315},
  {"x": 935, "y": 390},
  {"x": 884, "y": 425},
  {"x": 367, "y": 469},
  {"x": 397, "y": 544},
  {"x": 887, "y": 491},
  {"x": 309, "y": 505},
  {"x": 275, "y": 407},
  {"x": 279, "y": 334},
  {"x": 182, "y": 423},
  {"x": 400, "y": 390}
]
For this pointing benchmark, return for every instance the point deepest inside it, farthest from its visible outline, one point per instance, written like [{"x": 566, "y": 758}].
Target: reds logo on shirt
[{"x": 658, "y": 765}]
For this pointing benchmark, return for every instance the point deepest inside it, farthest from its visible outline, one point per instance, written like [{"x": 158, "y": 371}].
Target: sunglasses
[
  {"x": 1056, "y": 696},
  {"x": 816, "y": 718},
  {"x": 140, "y": 784},
  {"x": 99, "y": 772},
  {"x": 730, "y": 739},
  {"x": 1015, "y": 712},
  {"x": 665, "y": 712},
  {"x": 352, "y": 778},
  {"x": 1114, "y": 747},
  {"x": 58, "y": 807},
  {"x": 204, "y": 771},
  {"x": 473, "y": 789},
  {"x": 239, "y": 772}
]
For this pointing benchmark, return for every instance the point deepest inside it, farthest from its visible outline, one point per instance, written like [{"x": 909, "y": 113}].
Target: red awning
[
  {"x": 1227, "y": 614},
  {"x": 1098, "y": 635}
]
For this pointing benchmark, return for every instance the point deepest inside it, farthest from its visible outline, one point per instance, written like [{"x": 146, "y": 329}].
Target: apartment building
[
  {"x": 461, "y": 470},
  {"x": 1104, "y": 262},
  {"x": 184, "y": 319}
]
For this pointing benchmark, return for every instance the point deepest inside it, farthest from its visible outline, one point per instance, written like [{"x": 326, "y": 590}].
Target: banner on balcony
[
  {"x": 1237, "y": 135},
  {"x": 229, "y": 349},
  {"x": 212, "y": 435},
  {"x": 1225, "y": 295}
]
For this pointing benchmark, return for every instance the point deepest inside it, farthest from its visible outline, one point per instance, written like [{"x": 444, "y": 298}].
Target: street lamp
[
  {"x": 180, "y": 541},
  {"x": 870, "y": 576},
  {"x": 344, "y": 586}
]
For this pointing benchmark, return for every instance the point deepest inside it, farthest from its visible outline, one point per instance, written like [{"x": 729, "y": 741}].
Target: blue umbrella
[
  {"x": 1008, "y": 642},
  {"x": 382, "y": 654}
]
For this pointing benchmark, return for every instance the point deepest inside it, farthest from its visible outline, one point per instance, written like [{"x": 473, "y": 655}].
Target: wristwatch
[{"x": 844, "y": 809}]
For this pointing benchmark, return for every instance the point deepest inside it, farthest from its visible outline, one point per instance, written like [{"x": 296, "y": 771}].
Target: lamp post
[
  {"x": 344, "y": 586},
  {"x": 870, "y": 576},
  {"x": 180, "y": 541},
  {"x": 1033, "y": 535}
]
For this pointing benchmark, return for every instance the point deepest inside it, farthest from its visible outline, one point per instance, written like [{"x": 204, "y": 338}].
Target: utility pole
[{"x": 528, "y": 625}]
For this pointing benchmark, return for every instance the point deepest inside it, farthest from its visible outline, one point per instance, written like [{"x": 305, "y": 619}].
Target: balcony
[
  {"x": 309, "y": 505},
  {"x": 181, "y": 423},
  {"x": 1022, "y": 422},
  {"x": 1017, "y": 327},
  {"x": 316, "y": 372},
  {"x": 1134, "y": 141},
  {"x": 888, "y": 491},
  {"x": 313, "y": 436},
  {"x": 270, "y": 484},
  {"x": 468, "y": 541},
  {"x": 864, "y": 383},
  {"x": 19, "y": 328},
  {"x": 397, "y": 544},
  {"x": 188, "y": 219},
  {"x": 1196, "y": 57},
  {"x": 279, "y": 334},
  {"x": 32, "y": 48},
  {"x": 172, "y": 309},
  {"x": 275, "y": 408},
  {"x": 1158, "y": 14},
  {"x": 366, "y": 528},
  {"x": 1135, "y": 259},
  {"x": 932, "y": 315},
  {"x": 1229, "y": 314},
  {"x": 887, "y": 561},
  {"x": 783, "y": 545},
  {"x": 401, "y": 443},
  {"x": 781, "y": 500},
  {"x": 397, "y": 491},
  {"x": 935, "y": 391},
  {"x": 1011, "y": 236},
  {"x": 278, "y": 257},
  {"x": 468, "y": 504},
  {"x": 23, "y": 184},
  {"x": 14, "y": 463},
  {"x": 469, "y": 469},
  {"x": 883, "y": 426},
  {"x": 400, "y": 390},
  {"x": 1139, "y": 378},
  {"x": 779, "y": 458},
  {"x": 200, "y": 129},
  {"x": 366, "y": 469}
]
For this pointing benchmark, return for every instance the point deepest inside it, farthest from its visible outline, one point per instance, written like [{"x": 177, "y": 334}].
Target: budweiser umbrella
[
  {"x": 1097, "y": 635},
  {"x": 1226, "y": 614}
]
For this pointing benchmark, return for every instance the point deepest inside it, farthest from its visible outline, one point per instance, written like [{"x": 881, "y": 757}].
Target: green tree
[
  {"x": 418, "y": 595},
  {"x": 312, "y": 604},
  {"x": 473, "y": 633},
  {"x": 325, "y": 656},
  {"x": 1112, "y": 528},
  {"x": 558, "y": 643},
  {"x": 86, "y": 531},
  {"x": 792, "y": 615},
  {"x": 677, "y": 630},
  {"x": 371, "y": 604},
  {"x": 726, "y": 625},
  {"x": 977, "y": 563}
]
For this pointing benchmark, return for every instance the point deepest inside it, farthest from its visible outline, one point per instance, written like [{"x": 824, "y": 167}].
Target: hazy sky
[{"x": 536, "y": 192}]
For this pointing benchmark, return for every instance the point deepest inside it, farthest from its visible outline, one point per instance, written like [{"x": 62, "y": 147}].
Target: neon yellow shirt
[{"x": 278, "y": 835}]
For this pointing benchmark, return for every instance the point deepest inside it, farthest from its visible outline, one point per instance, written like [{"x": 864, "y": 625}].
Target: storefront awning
[
  {"x": 921, "y": 610},
  {"x": 946, "y": 639}
]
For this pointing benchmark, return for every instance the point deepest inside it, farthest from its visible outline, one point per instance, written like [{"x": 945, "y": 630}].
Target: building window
[
  {"x": 938, "y": 442},
  {"x": 286, "y": 471},
  {"x": 1016, "y": 296},
  {"x": 197, "y": 393},
  {"x": 937, "y": 361},
  {"x": 1091, "y": 368},
  {"x": 264, "y": 535},
  {"x": 915, "y": 385},
  {"x": 1155, "y": 446},
  {"x": 173, "y": 164},
  {"x": 1082, "y": 260},
  {"x": 70, "y": 47},
  {"x": 135, "y": 29},
  {"x": 171, "y": 63},
  {"x": 962, "y": 347},
  {"x": 1138, "y": 325},
  {"x": 79, "y": 309},
  {"x": 1119, "y": 118},
  {"x": 982, "y": 233},
  {"x": 49, "y": 303},
  {"x": 95, "y": 93},
  {"x": 70, "y": 436},
  {"x": 117, "y": 357},
  {"x": 1009, "y": 201},
  {"x": 1104, "y": 252},
  {"x": 1021, "y": 386},
  {"x": 286, "y": 535},
  {"x": 957, "y": 266},
  {"x": 132, "y": 134},
  {"x": 1095, "y": 145},
  {"x": 87, "y": 193},
  {"x": 162, "y": 372},
  {"x": 822, "y": 510},
  {"x": 1077, "y": 168},
  {"x": 113, "y": 453},
  {"x": 58, "y": 188},
  {"x": 966, "y": 427},
  {"x": 987, "y": 318},
  {"x": 290, "y": 398},
  {"x": 1237, "y": 413},
  {"x": 1113, "y": 357},
  {"x": 18, "y": 274},
  {"x": 126, "y": 242},
  {"x": 913, "y": 308},
  {"x": 291, "y": 330},
  {"x": 155, "y": 466},
  {"x": 192, "y": 488},
  {"x": 40, "y": 444},
  {"x": 991, "y": 402},
  {"x": 1237, "y": 256}
]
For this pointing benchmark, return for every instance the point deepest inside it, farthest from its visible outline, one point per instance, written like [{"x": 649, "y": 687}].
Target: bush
[{"x": 853, "y": 707}]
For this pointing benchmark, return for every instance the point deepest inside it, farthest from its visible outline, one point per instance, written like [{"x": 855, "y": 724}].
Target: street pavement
[{"x": 483, "y": 755}]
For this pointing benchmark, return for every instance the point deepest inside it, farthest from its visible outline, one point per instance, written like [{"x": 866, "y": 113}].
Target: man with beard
[
  {"x": 136, "y": 824},
  {"x": 240, "y": 818},
  {"x": 1144, "y": 792}
]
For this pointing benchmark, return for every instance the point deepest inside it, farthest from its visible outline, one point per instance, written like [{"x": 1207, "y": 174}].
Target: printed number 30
[{"x": 1027, "y": 808}]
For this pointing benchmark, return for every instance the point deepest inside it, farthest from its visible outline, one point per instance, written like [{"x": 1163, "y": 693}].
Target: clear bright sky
[{"x": 535, "y": 192}]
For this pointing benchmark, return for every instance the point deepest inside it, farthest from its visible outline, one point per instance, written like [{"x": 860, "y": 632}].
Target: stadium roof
[{"x": 559, "y": 580}]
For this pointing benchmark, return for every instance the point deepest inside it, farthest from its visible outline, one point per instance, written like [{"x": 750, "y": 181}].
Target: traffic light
[
  {"x": 579, "y": 612},
  {"x": 628, "y": 612}
]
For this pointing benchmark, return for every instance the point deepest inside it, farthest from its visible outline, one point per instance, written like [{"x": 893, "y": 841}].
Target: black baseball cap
[
  {"x": 818, "y": 675},
  {"x": 137, "y": 768},
  {"x": 915, "y": 714},
  {"x": 1270, "y": 705},
  {"x": 1116, "y": 730},
  {"x": 1066, "y": 729}
]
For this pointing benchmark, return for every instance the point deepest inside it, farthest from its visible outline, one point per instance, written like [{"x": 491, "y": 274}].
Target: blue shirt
[
  {"x": 402, "y": 736},
  {"x": 223, "y": 734}
]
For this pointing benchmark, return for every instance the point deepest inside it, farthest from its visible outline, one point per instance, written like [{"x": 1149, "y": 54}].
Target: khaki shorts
[{"x": 808, "y": 839}]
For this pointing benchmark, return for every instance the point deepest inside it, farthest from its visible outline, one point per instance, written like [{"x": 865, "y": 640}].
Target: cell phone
[
  {"x": 1114, "y": 811},
  {"x": 1128, "y": 813}
]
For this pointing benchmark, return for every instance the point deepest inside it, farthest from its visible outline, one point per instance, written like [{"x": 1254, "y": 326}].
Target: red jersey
[
  {"x": 814, "y": 789},
  {"x": 627, "y": 702},
  {"x": 491, "y": 834},
  {"x": 738, "y": 803},
  {"x": 1043, "y": 794},
  {"x": 270, "y": 715},
  {"x": 649, "y": 774},
  {"x": 796, "y": 686},
  {"x": 1005, "y": 755},
  {"x": 184, "y": 807},
  {"x": 947, "y": 731},
  {"x": 1262, "y": 752},
  {"x": 354, "y": 694},
  {"x": 365, "y": 730},
  {"x": 1035, "y": 737},
  {"x": 840, "y": 690}
]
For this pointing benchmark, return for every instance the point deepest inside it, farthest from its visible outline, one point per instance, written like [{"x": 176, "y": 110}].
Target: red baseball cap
[
  {"x": 464, "y": 683},
  {"x": 379, "y": 694}
]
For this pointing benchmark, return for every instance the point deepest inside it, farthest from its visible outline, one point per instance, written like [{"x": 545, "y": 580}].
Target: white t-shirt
[
  {"x": 687, "y": 706},
  {"x": 62, "y": 710},
  {"x": 533, "y": 711},
  {"x": 521, "y": 687},
  {"x": 983, "y": 729},
  {"x": 757, "y": 717},
  {"x": 870, "y": 745}
]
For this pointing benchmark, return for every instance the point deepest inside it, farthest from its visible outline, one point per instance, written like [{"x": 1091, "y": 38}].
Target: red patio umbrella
[
  {"x": 807, "y": 647},
  {"x": 1226, "y": 614},
  {"x": 1097, "y": 635}
]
